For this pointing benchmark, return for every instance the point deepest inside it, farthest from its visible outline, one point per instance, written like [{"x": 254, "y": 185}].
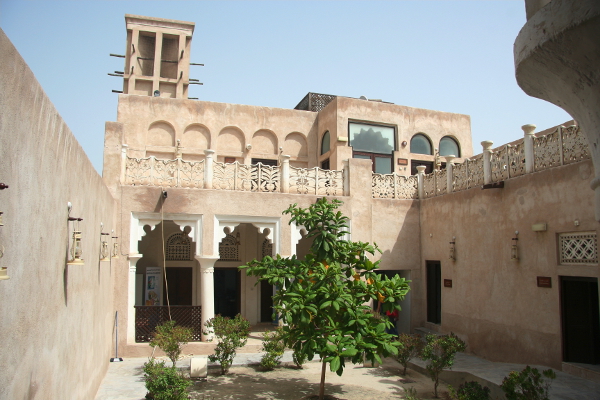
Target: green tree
[
  {"x": 322, "y": 298},
  {"x": 232, "y": 333},
  {"x": 528, "y": 384},
  {"x": 170, "y": 338},
  {"x": 440, "y": 352}
]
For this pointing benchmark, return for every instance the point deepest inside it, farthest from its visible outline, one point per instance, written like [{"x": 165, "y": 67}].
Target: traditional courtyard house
[{"x": 500, "y": 243}]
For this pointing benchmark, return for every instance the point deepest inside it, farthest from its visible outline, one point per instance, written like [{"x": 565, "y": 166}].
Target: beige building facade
[{"x": 499, "y": 242}]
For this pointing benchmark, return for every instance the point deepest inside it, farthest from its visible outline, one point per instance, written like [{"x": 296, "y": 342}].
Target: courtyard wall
[{"x": 56, "y": 320}]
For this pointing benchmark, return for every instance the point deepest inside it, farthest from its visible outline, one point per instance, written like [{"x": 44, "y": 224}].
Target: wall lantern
[
  {"x": 514, "y": 249},
  {"x": 453, "y": 249},
  {"x": 76, "y": 249},
  {"x": 115, "y": 249},
  {"x": 103, "y": 244}
]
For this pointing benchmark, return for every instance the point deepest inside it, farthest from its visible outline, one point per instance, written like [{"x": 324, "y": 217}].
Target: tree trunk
[{"x": 322, "y": 387}]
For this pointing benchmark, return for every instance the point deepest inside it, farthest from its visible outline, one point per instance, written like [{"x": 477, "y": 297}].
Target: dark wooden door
[
  {"x": 179, "y": 282},
  {"x": 580, "y": 320},
  {"x": 227, "y": 289},
  {"x": 266, "y": 302},
  {"x": 434, "y": 292}
]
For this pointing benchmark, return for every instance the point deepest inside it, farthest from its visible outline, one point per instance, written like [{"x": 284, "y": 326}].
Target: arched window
[
  {"x": 449, "y": 147},
  {"x": 420, "y": 144},
  {"x": 325, "y": 143},
  {"x": 229, "y": 248},
  {"x": 178, "y": 247}
]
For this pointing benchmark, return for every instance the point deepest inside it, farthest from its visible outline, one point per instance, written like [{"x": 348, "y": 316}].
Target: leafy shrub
[
  {"x": 164, "y": 383},
  {"x": 299, "y": 358},
  {"x": 410, "y": 346},
  {"x": 170, "y": 338},
  {"x": 528, "y": 384},
  {"x": 440, "y": 352},
  {"x": 231, "y": 334},
  {"x": 470, "y": 391},
  {"x": 410, "y": 394},
  {"x": 273, "y": 347}
]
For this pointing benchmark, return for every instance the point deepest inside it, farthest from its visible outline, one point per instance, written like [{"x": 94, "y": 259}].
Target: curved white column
[{"x": 133, "y": 259}]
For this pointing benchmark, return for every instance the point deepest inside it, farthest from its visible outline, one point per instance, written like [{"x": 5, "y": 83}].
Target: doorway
[
  {"x": 227, "y": 291},
  {"x": 179, "y": 281},
  {"x": 580, "y": 319},
  {"x": 434, "y": 292},
  {"x": 266, "y": 302}
]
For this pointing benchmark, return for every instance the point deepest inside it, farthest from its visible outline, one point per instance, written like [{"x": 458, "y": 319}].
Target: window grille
[
  {"x": 178, "y": 247},
  {"x": 267, "y": 248},
  {"x": 578, "y": 248},
  {"x": 229, "y": 249}
]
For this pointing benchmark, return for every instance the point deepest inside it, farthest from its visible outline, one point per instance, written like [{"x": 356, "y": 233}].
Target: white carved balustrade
[
  {"x": 151, "y": 171},
  {"x": 394, "y": 186},
  {"x": 316, "y": 181}
]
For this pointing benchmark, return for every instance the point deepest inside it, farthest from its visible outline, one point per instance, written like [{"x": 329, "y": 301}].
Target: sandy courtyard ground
[{"x": 287, "y": 382}]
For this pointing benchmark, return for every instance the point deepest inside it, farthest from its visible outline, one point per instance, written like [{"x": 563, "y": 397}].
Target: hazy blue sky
[{"x": 454, "y": 56}]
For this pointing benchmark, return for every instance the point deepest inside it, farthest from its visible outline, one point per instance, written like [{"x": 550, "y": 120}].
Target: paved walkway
[{"x": 124, "y": 380}]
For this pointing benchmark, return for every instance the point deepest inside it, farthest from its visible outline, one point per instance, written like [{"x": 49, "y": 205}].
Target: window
[
  {"x": 449, "y": 147},
  {"x": 178, "y": 248},
  {"x": 420, "y": 144},
  {"x": 578, "y": 248},
  {"x": 325, "y": 164},
  {"x": 325, "y": 143},
  {"x": 229, "y": 248},
  {"x": 264, "y": 161},
  {"x": 373, "y": 142}
]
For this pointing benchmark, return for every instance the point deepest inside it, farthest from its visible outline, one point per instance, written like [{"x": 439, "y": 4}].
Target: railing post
[
  {"x": 316, "y": 180},
  {"x": 487, "y": 167},
  {"x": 123, "y": 163},
  {"x": 285, "y": 174},
  {"x": 529, "y": 130},
  {"x": 560, "y": 145},
  {"x": 449, "y": 173},
  {"x": 346, "y": 177},
  {"x": 208, "y": 169},
  {"x": 420, "y": 174}
]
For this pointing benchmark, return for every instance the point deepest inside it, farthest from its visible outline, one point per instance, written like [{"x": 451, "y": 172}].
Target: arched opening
[
  {"x": 420, "y": 144},
  {"x": 449, "y": 147},
  {"x": 325, "y": 143}
]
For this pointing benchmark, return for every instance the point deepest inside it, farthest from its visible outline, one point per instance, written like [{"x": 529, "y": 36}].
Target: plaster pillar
[
  {"x": 346, "y": 177},
  {"x": 529, "y": 130},
  {"x": 123, "y": 162},
  {"x": 133, "y": 259},
  {"x": 449, "y": 173},
  {"x": 208, "y": 169},
  {"x": 557, "y": 53},
  {"x": 157, "y": 63},
  {"x": 420, "y": 173},
  {"x": 135, "y": 38},
  {"x": 487, "y": 168},
  {"x": 285, "y": 174},
  {"x": 207, "y": 291}
]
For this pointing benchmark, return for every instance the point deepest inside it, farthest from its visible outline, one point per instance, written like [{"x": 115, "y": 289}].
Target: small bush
[
  {"x": 470, "y": 391},
  {"x": 410, "y": 394},
  {"x": 299, "y": 358},
  {"x": 170, "y": 338},
  {"x": 440, "y": 352},
  {"x": 528, "y": 384},
  {"x": 273, "y": 347},
  {"x": 410, "y": 346},
  {"x": 232, "y": 334},
  {"x": 164, "y": 383}
]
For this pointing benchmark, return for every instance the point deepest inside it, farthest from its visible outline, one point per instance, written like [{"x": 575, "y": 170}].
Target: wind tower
[{"x": 157, "y": 58}]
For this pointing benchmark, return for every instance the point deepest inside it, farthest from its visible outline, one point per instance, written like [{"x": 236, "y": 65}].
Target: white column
[
  {"x": 208, "y": 169},
  {"x": 133, "y": 259},
  {"x": 285, "y": 174},
  {"x": 346, "y": 177},
  {"x": 449, "y": 173},
  {"x": 207, "y": 291},
  {"x": 487, "y": 167},
  {"x": 529, "y": 130},
  {"x": 420, "y": 173}
]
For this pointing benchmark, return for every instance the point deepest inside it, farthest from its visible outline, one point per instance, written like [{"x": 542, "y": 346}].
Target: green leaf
[
  {"x": 349, "y": 352},
  {"x": 325, "y": 304},
  {"x": 335, "y": 364}
]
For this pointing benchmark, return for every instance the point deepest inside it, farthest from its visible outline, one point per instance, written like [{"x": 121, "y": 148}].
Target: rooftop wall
[{"x": 56, "y": 320}]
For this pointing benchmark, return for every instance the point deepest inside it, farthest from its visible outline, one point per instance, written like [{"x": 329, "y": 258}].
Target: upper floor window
[
  {"x": 325, "y": 143},
  {"x": 375, "y": 143},
  {"x": 449, "y": 147},
  {"x": 420, "y": 144}
]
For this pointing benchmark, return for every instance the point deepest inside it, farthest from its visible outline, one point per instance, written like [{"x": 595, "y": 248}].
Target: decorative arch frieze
[
  {"x": 141, "y": 219},
  {"x": 269, "y": 226}
]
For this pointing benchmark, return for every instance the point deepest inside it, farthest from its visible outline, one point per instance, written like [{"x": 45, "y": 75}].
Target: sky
[{"x": 453, "y": 56}]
